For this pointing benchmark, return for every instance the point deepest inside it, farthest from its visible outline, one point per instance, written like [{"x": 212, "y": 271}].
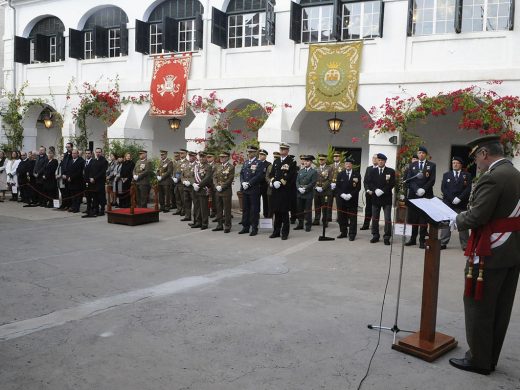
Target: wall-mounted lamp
[{"x": 174, "y": 123}]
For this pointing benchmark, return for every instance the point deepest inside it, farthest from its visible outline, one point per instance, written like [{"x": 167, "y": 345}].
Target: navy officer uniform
[
  {"x": 348, "y": 184},
  {"x": 251, "y": 176}
]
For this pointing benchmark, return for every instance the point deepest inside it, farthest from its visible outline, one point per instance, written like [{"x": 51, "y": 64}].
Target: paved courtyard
[{"x": 89, "y": 305}]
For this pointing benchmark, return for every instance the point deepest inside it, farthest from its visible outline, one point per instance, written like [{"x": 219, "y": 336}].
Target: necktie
[
  {"x": 457, "y": 175},
  {"x": 348, "y": 173},
  {"x": 420, "y": 165},
  {"x": 380, "y": 171}
]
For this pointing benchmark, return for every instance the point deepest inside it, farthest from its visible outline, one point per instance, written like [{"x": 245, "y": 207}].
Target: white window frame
[
  {"x": 186, "y": 27},
  {"x": 156, "y": 38},
  {"x": 363, "y": 26},
  {"x": 448, "y": 23},
  {"x": 244, "y": 26},
  {"x": 88, "y": 51},
  {"x": 321, "y": 18},
  {"x": 114, "y": 42},
  {"x": 53, "y": 55},
  {"x": 485, "y": 14}
]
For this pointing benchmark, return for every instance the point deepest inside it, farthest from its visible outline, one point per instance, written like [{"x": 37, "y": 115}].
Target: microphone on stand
[{"x": 420, "y": 175}]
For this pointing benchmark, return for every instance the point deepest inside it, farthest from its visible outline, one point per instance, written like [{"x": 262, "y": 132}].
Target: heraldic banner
[
  {"x": 333, "y": 77},
  {"x": 169, "y": 85}
]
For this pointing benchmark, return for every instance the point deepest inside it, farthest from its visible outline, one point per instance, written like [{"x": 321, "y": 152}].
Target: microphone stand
[
  {"x": 395, "y": 328},
  {"x": 325, "y": 213}
]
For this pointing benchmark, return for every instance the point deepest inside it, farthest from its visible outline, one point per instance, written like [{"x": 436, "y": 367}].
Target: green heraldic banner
[{"x": 333, "y": 77}]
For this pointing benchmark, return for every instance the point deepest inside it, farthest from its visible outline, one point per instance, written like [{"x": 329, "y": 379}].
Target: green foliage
[{"x": 120, "y": 148}]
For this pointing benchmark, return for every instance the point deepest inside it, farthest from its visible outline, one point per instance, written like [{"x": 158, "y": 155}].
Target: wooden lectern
[{"x": 427, "y": 344}]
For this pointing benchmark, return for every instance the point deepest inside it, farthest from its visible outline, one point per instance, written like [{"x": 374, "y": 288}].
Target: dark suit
[
  {"x": 368, "y": 199},
  {"x": 98, "y": 172},
  {"x": 283, "y": 171},
  {"x": 426, "y": 183},
  {"x": 263, "y": 191},
  {"x": 76, "y": 182},
  {"x": 65, "y": 192},
  {"x": 39, "y": 167},
  {"x": 384, "y": 181},
  {"x": 306, "y": 179},
  {"x": 456, "y": 187},
  {"x": 24, "y": 173},
  {"x": 90, "y": 188},
  {"x": 252, "y": 172},
  {"x": 496, "y": 195},
  {"x": 127, "y": 169},
  {"x": 50, "y": 184},
  {"x": 347, "y": 209}
]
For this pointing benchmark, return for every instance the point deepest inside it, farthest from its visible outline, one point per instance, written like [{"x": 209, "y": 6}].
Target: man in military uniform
[
  {"x": 251, "y": 175},
  {"x": 380, "y": 184},
  {"x": 173, "y": 202},
  {"x": 494, "y": 218},
  {"x": 268, "y": 182},
  {"x": 456, "y": 187},
  {"x": 164, "y": 180},
  {"x": 348, "y": 186},
  {"x": 203, "y": 173},
  {"x": 293, "y": 206},
  {"x": 322, "y": 191},
  {"x": 177, "y": 181},
  {"x": 420, "y": 178},
  {"x": 143, "y": 171},
  {"x": 187, "y": 180},
  {"x": 305, "y": 183},
  {"x": 368, "y": 197},
  {"x": 262, "y": 155},
  {"x": 210, "y": 158},
  {"x": 223, "y": 176},
  {"x": 282, "y": 179},
  {"x": 337, "y": 167}
]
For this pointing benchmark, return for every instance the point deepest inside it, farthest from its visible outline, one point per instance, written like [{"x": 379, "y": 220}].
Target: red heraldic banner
[{"x": 169, "y": 85}]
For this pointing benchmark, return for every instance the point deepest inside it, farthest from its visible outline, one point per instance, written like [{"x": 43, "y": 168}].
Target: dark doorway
[{"x": 462, "y": 151}]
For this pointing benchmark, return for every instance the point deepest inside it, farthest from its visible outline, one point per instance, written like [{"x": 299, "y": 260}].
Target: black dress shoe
[
  {"x": 214, "y": 220},
  {"x": 307, "y": 228},
  {"x": 342, "y": 235},
  {"x": 466, "y": 365},
  {"x": 212, "y": 215},
  {"x": 177, "y": 213},
  {"x": 243, "y": 231},
  {"x": 422, "y": 245},
  {"x": 274, "y": 235},
  {"x": 285, "y": 237},
  {"x": 185, "y": 219},
  {"x": 443, "y": 247},
  {"x": 352, "y": 238},
  {"x": 89, "y": 216},
  {"x": 316, "y": 223},
  {"x": 293, "y": 221},
  {"x": 227, "y": 230},
  {"x": 410, "y": 243},
  {"x": 364, "y": 227},
  {"x": 203, "y": 227},
  {"x": 217, "y": 229},
  {"x": 387, "y": 241},
  {"x": 196, "y": 226},
  {"x": 101, "y": 214},
  {"x": 298, "y": 227},
  {"x": 254, "y": 232},
  {"x": 374, "y": 240}
]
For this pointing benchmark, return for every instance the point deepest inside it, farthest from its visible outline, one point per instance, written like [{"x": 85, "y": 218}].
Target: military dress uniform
[
  {"x": 415, "y": 185},
  {"x": 336, "y": 169},
  {"x": 187, "y": 180},
  {"x": 251, "y": 176},
  {"x": 347, "y": 199},
  {"x": 164, "y": 179},
  {"x": 269, "y": 189},
  {"x": 223, "y": 176},
  {"x": 305, "y": 183},
  {"x": 322, "y": 193},
  {"x": 179, "y": 187},
  {"x": 368, "y": 199},
  {"x": 456, "y": 188},
  {"x": 264, "y": 187},
  {"x": 203, "y": 173},
  {"x": 143, "y": 171},
  {"x": 173, "y": 184},
  {"x": 283, "y": 176}
]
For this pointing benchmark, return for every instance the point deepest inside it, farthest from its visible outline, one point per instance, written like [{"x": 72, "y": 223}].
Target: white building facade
[{"x": 257, "y": 51}]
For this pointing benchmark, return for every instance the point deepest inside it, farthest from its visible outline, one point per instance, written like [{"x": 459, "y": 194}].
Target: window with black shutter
[
  {"x": 142, "y": 37},
  {"x": 76, "y": 44},
  {"x": 22, "y": 50},
  {"x": 173, "y": 26},
  {"x": 295, "y": 29},
  {"x": 270, "y": 23},
  {"x": 219, "y": 28},
  {"x": 45, "y": 42},
  {"x": 249, "y": 23}
]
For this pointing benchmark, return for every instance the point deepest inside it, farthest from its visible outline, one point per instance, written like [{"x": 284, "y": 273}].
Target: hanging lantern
[
  {"x": 334, "y": 124},
  {"x": 174, "y": 123}
]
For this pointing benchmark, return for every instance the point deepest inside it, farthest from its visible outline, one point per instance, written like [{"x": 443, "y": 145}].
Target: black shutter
[
  {"x": 76, "y": 44},
  {"x": 458, "y": 16},
  {"x": 142, "y": 37},
  {"x": 124, "y": 40},
  {"x": 295, "y": 30},
  {"x": 60, "y": 46},
  {"x": 100, "y": 41},
  {"x": 42, "y": 52},
  {"x": 22, "y": 50},
  {"x": 409, "y": 27},
  {"x": 219, "y": 28},
  {"x": 337, "y": 21},
  {"x": 170, "y": 35},
  {"x": 381, "y": 18},
  {"x": 199, "y": 31},
  {"x": 512, "y": 16},
  {"x": 270, "y": 22}
]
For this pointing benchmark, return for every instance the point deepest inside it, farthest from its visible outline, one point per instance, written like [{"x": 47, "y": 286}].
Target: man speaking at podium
[{"x": 494, "y": 218}]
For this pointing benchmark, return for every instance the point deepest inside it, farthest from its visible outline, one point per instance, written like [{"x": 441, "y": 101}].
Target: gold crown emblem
[{"x": 333, "y": 65}]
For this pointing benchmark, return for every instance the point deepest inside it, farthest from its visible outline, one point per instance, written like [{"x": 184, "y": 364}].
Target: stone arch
[
  {"x": 85, "y": 17},
  {"x": 158, "y": 3},
  {"x": 35, "y": 133},
  {"x": 30, "y": 26}
]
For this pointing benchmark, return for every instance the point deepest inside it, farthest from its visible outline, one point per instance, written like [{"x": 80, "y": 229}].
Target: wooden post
[
  {"x": 109, "y": 192},
  {"x": 132, "y": 198},
  {"x": 428, "y": 344},
  {"x": 156, "y": 201}
]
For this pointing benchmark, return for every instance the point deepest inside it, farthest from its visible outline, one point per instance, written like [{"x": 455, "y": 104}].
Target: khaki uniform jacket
[
  {"x": 223, "y": 176},
  {"x": 187, "y": 171},
  {"x": 144, "y": 170},
  {"x": 165, "y": 171},
  {"x": 205, "y": 173},
  {"x": 336, "y": 170},
  {"x": 496, "y": 195},
  {"x": 325, "y": 175}
]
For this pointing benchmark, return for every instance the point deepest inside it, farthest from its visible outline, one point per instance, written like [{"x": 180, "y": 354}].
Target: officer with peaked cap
[
  {"x": 251, "y": 175},
  {"x": 348, "y": 186},
  {"x": 223, "y": 176},
  {"x": 262, "y": 156},
  {"x": 164, "y": 180},
  {"x": 305, "y": 183}
]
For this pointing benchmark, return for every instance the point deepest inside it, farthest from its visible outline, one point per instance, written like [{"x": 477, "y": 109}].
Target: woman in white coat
[{"x": 12, "y": 177}]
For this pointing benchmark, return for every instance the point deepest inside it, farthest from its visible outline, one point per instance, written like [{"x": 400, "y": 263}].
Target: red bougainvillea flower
[{"x": 355, "y": 140}]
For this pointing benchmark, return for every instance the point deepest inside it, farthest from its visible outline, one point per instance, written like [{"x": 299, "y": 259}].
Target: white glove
[
  {"x": 245, "y": 185},
  {"x": 186, "y": 183},
  {"x": 319, "y": 189},
  {"x": 369, "y": 192},
  {"x": 401, "y": 197},
  {"x": 456, "y": 200},
  {"x": 175, "y": 180},
  {"x": 135, "y": 177},
  {"x": 277, "y": 184},
  {"x": 271, "y": 184},
  {"x": 196, "y": 186},
  {"x": 301, "y": 190},
  {"x": 453, "y": 224},
  {"x": 344, "y": 196},
  {"x": 219, "y": 188},
  {"x": 379, "y": 192},
  {"x": 159, "y": 178},
  {"x": 333, "y": 186},
  {"x": 420, "y": 192}
]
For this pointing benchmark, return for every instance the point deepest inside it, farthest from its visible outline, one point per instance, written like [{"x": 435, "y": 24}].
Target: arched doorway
[{"x": 36, "y": 134}]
